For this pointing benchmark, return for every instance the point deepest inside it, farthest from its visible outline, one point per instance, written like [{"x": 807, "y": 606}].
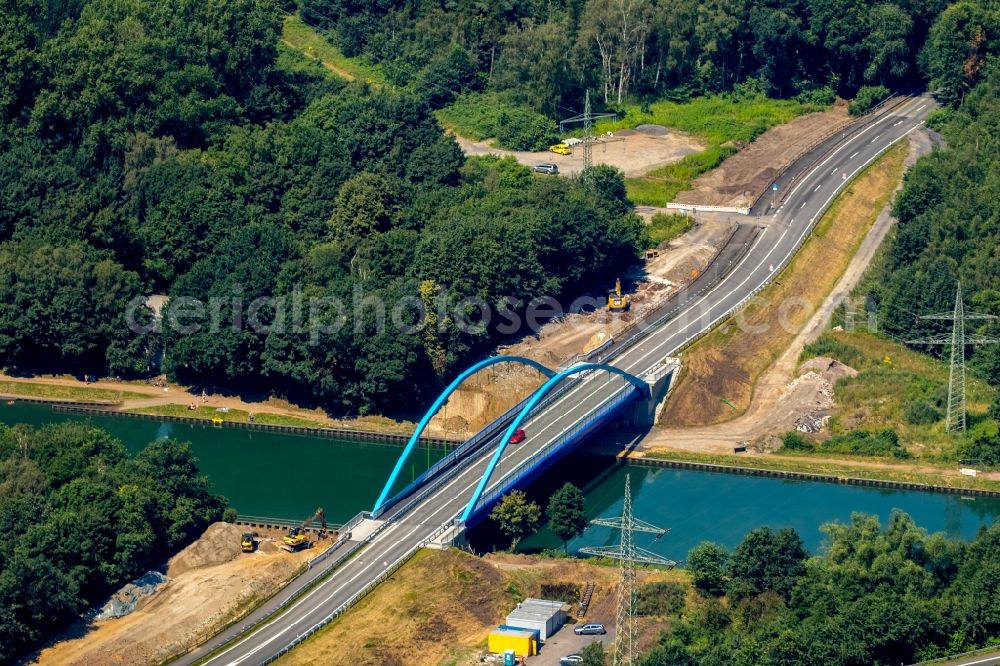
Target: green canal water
[
  {"x": 287, "y": 476},
  {"x": 262, "y": 473},
  {"x": 698, "y": 506}
]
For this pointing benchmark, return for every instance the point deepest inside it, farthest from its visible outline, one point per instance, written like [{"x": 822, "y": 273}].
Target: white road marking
[
  {"x": 803, "y": 204},
  {"x": 472, "y": 468},
  {"x": 875, "y": 139},
  {"x": 898, "y": 123},
  {"x": 817, "y": 187},
  {"x": 853, "y": 156}
]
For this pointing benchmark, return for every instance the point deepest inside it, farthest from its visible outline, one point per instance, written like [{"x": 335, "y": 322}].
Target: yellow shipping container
[{"x": 521, "y": 642}]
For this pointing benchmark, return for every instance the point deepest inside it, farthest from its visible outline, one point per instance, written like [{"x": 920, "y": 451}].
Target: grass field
[
  {"x": 309, "y": 41},
  {"x": 892, "y": 378},
  {"x": 57, "y": 392},
  {"x": 724, "y": 123},
  {"x": 723, "y": 367},
  {"x": 885, "y": 470},
  {"x": 233, "y": 415},
  {"x": 664, "y": 228},
  {"x": 439, "y": 607}
]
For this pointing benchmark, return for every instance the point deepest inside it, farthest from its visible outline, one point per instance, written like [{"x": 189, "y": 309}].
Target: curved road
[{"x": 813, "y": 183}]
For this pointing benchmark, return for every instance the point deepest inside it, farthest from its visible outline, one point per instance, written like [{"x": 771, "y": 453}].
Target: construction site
[{"x": 506, "y": 608}]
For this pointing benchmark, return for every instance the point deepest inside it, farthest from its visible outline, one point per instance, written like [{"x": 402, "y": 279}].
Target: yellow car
[{"x": 561, "y": 149}]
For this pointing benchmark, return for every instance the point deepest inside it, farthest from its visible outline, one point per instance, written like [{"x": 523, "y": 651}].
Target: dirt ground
[
  {"x": 440, "y": 607},
  {"x": 635, "y": 153},
  {"x": 209, "y": 584},
  {"x": 486, "y": 396},
  {"x": 743, "y": 177},
  {"x": 759, "y": 373}
]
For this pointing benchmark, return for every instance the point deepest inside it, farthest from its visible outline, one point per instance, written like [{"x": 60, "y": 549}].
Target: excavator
[
  {"x": 618, "y": 302},
  {"x": 296, "y": 539}
]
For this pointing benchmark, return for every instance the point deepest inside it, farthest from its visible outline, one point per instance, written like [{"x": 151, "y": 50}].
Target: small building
[
  {"x": 521, "y": 641},
  {"x": 541, "y": 615}
]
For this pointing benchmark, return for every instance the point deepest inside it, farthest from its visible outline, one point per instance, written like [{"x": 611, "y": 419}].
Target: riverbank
[
  {"x": 910, "y": 475},
  {"x": 177, "y": 401}
]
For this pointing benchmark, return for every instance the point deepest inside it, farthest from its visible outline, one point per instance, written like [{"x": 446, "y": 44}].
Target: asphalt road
[{"x": 816, "y": 183}]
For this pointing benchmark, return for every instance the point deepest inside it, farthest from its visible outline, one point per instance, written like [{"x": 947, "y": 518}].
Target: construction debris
[{"x": 125, "y": 600}]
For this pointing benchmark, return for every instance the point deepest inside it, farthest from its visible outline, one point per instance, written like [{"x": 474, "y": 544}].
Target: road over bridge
[{"x": 811, "y": 185}]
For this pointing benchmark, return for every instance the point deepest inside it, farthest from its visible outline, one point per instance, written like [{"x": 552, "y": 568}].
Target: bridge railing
[
  {"x": 469, "y": 446},
  {"x": 614, "y": 402},
  {"x": 354, "y": 598},
  {"x": 785, "y": 260}
]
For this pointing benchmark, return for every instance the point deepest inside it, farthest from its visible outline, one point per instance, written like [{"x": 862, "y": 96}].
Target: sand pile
[{"x": 220, "y": 543}]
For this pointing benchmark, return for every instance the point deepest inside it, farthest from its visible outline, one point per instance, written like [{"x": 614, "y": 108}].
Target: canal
[
  {"x": 287, "y": 476},
  {"x": 261, "y": 473}
]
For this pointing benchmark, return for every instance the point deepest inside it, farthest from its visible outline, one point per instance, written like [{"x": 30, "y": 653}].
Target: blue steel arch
[
  {"x": 537, "y": 397},
  {"x": 441, "y": 399}
]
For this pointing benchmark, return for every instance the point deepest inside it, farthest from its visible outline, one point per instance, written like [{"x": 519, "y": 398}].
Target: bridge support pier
[{"x": 660, "y": 379}]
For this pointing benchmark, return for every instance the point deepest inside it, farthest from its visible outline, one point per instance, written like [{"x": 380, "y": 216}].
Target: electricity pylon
[
  {"x": 627, "y": 554},
  {"x": 958, "y": 340},
  {"x": 587, "y": 118}
]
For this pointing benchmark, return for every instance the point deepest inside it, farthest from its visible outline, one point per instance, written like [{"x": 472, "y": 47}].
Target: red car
[{"x": 517, "y": 437}]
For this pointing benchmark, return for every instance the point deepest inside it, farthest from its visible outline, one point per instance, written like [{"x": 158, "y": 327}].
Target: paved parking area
[{"x": 565, "y": 642}]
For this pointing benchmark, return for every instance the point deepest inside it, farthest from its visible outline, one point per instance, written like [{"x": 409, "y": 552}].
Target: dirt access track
[
  {"x": 776, "y": 395},
  {"x": 209, "y": 584},
  {"x": 746, "y": 175},
  {"x": 635, "y": 153}
]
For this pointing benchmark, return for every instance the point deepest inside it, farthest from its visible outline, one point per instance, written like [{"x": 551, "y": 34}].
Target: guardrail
[
  {"x": 674, "y": 205},
  {"x": 851, "y": 128},
  {"x": 788, "y": 258},
  {"x": 354, "y": 598},
  {"x": 613, "y": 402},
  {"x": 470, "y": 446}
]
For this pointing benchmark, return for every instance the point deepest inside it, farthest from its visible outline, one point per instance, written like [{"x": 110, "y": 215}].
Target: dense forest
[
  {"x": 79, "y": 517},
  {"x": 543, "y": 55},
  {"x": 173, "y": 148},
  {"x": 180, "y": 149},
  {"x": 875, "y": 596},
  {"x": 949, "y": 230}
]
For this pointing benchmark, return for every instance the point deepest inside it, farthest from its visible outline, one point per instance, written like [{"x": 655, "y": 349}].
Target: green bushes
[
  {"x": 79, "y": 518},
  {"x": 664, "y": 228},
  {"x": 876, "y": 443},
  {"x": 827, "y": 345},
  {"x": 920, "y": 412},
  {"x": 868, "y": 97},
  {"x": 793, "y": 441},
  {"x": 489, "y": 115},
  {"x": 660, "y": 598},
  {"x": 883, "y": 442}
]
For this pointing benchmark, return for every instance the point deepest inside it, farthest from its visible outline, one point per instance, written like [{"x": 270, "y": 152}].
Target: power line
[
  {"x": 627, "y": 554},
  {"x": 587, "y": 118},
  {"x": 957, "y": 340}
]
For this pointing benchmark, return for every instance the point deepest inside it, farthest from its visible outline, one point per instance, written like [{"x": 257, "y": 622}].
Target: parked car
[
  {"x": 571, "y": 659},
  {"x": 590, "y": 629},
  {"x": 560, "y": 149},
  {"x": 517, "y": 437},
  {"x": 547, "y": 168}
]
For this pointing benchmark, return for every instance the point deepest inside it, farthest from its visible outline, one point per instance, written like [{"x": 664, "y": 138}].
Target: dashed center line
[
  {"x": 852, "y": 156},
  {"x": 875, "y": 139},
  {"x": 897, "y": 124},
  {"x": 817, "y": 187},
  {"x": 803, "y": 205}
]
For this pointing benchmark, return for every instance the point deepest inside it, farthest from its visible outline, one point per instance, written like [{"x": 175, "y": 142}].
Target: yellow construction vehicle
[
  {"x": 296, "y": 538},
  {"x": 247, "y": 543},
  {"x": 618, "y": 302}
]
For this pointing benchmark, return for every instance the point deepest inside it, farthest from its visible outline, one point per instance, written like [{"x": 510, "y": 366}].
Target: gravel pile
[{"x": 125, "y": 600}]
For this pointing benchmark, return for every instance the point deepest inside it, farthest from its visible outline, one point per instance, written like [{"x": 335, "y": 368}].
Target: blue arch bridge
[{"x": 597, "y": 393}]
